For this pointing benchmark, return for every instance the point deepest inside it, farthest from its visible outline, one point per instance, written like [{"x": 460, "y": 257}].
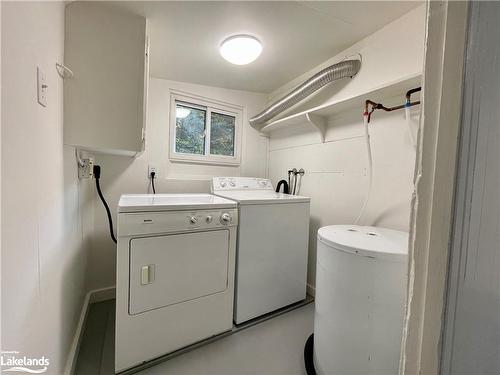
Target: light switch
[
  {"x": 147, "y": 274},
  {"x": 42, "y": 87}
]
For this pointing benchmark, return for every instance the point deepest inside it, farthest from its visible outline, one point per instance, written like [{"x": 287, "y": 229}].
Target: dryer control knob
[
  {"x": 225, "y": 218},
  {"x": 209, "y": 219},
  {"x": 193, "y": 219}
]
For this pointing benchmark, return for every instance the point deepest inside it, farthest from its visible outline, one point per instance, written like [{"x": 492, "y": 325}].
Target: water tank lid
[{"x": 366, "y": 241}]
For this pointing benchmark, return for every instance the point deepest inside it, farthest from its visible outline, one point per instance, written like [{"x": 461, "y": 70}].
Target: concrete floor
[{"x": 273, "y": 347}]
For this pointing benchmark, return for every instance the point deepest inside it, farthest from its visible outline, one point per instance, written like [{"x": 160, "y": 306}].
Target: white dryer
[
  {"x": 175, "y": 273},
  {"x": 272, "y": 249}
]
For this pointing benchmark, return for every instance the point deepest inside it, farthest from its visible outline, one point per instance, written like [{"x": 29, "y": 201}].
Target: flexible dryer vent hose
[{"x": 343, "y": 69}]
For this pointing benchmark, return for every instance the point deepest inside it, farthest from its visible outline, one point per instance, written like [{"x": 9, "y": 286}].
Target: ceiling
[{"x": 296, "y": 37}]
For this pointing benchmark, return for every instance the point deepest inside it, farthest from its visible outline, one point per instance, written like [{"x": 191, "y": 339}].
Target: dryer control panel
[
  {"x": 174, "y": 221},
  {"x": 240, "y": 183}
]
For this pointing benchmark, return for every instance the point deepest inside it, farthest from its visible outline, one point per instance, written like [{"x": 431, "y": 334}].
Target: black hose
[
  {"x": 97, "y": 175},
  {"x": 294, "y": 184},
  {"x": 153, "y": 182},
  {"x": 285, "y": 187}
]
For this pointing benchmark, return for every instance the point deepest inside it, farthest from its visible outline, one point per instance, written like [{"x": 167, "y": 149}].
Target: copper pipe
[
  {"x": 412, "y": 91},
  {"x": 390, "y": 109}
]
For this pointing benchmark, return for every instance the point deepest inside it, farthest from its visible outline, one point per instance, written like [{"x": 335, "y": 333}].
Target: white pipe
[
  {"x": 408, "y": 124},
  {"x": 78, "y": 158},
  {"x": 299, "y": 185},
  {"x": 370, "y": 167},
  {"x": 294, "y": 179}
]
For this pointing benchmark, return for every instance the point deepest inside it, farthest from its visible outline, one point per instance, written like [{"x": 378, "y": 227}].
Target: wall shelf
[
  {"x": 316, "y": 118},
  {"x": 107, "y": 151}
]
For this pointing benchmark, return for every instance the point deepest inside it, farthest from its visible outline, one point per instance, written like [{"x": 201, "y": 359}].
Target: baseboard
[
  {"x": 75, "y": 345},
  {"x": 97, "y": 295},
  {"x": 311, "y": 290},
  {"x": 103, "y": 294}
]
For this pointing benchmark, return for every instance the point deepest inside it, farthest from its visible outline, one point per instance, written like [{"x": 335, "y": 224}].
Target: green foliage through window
[
  {"x": 222, "y": 134},
  {"x": 193, "y": 123},
  {"x": 190, "y": 130}
]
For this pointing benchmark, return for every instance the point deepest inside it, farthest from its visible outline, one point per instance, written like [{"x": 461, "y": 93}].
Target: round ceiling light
[{"x": 241, "y": 49}]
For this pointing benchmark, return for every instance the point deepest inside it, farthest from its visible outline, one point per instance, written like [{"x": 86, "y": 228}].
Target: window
[
  {"x": 204, "y": 131},
  {"x": 222, "y": 134},
  {"x": 190, "y": 129}
]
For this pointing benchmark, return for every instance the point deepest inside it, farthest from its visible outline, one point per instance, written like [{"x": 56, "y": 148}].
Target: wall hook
[{"x": 64, "y": 71}]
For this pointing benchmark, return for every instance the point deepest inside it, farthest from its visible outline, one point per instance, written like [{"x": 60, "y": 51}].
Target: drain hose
[{"x": 370, "y": 167}]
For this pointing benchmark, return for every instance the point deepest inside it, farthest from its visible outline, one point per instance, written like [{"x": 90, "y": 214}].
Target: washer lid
[
  {"x": 366, "y": 241},
  {"x": 171, "y": 202},
  {"x": 261, "y": 197}
]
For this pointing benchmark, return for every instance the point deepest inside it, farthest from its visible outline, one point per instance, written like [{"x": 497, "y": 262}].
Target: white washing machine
[
  {"x": 175, "y": 273},
  {"x": 361, "y": 278},
  {"x": 272, "y": 249}
]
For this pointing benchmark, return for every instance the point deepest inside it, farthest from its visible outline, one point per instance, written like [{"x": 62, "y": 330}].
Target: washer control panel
[{"x": 240, "y": 183}]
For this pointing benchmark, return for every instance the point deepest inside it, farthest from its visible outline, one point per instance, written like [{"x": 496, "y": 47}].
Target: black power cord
[
  {"x": 97, "y": 175},
  {"x": 153, "y": 174}
]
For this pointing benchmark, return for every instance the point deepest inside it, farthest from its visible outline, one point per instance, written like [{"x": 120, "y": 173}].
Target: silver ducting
[{"x": 347, "y": 68}]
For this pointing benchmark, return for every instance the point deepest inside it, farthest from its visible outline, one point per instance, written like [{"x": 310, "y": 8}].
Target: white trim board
[
  {"x": 432, "y": 202},
  {"x": 470, "y": 334}
]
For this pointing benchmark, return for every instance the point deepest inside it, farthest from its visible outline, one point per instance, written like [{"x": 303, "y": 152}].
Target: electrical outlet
[
  {"x": 86, "y": 169},
  {"x": 152, "y": 168}
]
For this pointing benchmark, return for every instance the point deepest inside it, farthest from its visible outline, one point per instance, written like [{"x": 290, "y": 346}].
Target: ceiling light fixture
[{"x": 241, "y": 49}]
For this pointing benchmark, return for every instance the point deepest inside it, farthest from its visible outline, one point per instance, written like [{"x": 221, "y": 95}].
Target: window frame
[{"x": 209, "y": 106}]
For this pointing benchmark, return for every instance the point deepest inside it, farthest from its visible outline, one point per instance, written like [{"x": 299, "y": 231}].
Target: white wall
[
  {"x": 122, "y": 175},
  {"x": 336, "y": 178},
  {"x": 44, "y": 250}
]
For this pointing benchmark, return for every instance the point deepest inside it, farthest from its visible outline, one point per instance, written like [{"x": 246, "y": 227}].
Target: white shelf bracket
[
  {"x": 319, "y": 123},
  {"x": 264, "y": 135}
]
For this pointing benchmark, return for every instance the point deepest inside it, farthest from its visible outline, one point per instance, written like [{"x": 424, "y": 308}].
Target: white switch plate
[{"x": 42, "y": 87}]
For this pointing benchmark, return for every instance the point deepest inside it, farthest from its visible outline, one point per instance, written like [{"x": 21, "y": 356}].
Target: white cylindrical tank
[{"x": 361, "y": 278}]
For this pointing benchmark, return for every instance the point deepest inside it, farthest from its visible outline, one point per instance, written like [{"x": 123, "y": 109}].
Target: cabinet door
[{"x": 104, "y": 103}]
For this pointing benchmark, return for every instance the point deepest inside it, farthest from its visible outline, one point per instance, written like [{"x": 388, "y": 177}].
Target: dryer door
[{"x": 171, "y": 269}]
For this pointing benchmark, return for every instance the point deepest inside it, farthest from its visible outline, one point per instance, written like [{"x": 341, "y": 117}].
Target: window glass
[
  {"x": 222, "y": 129},
  {"x": 189, "y": 129}
]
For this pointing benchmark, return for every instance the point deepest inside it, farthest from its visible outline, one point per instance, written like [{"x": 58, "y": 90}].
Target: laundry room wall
[
  {"x": 44, "y": 234},
  {"x": 336, "y": 170},
  {"x": 123, "y": 175}
]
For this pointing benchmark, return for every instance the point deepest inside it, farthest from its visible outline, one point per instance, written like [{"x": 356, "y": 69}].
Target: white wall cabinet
[{"x": 105, "y": 101}]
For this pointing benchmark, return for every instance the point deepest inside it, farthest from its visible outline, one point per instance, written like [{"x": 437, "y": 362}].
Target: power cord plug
[{"x": 153, "y": 175}]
